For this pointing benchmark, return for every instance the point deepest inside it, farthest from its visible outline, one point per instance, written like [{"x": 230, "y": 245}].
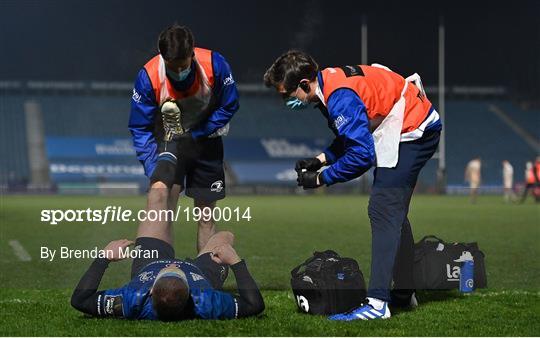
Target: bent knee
[
  {"x": 158, "y": 185},
  {"x": 377, "y": 209},
  {"x": 158, "y": 192},
  {"x": 227, "y": 236}
]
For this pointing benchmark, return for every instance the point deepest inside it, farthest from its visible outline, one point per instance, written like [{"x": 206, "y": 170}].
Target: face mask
[
  {"x": 179, "y": 76},
  {"x": 295, "y": 103}
]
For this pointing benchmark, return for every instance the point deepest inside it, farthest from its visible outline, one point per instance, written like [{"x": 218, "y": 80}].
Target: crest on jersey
[{"x": 146, "y": 276}]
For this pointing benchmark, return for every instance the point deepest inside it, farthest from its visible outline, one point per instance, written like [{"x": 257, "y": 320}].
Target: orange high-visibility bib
[
  {"x": 155, "y": 68},
  {"x": 379, "y": 89}
]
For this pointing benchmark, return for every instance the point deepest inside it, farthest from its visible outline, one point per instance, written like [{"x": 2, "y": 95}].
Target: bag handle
[
  {"x": 325, "y": 254},
  {"x": 437, "y": 239},
  {"x": 316, "y": 255},
  {"x": 422, "y": 249},
  {"x": 306, "y": 262},
  {"x": 295, "y": 270}
]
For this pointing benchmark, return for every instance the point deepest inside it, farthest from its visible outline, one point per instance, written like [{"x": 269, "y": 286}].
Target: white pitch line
[
  {"x": 509, "y": 293},
  {"x": 20, "y": 251}
]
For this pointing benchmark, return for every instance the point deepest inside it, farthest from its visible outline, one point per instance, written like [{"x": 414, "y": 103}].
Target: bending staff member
[
  {"x": 182, "y": 103},
  {"x": 379, "y": 118}
]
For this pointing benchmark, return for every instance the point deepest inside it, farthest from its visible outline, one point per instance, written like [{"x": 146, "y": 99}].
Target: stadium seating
[
  {"x": 527, "y": 119},
  {"x": 14, "y": 164},
  {"x": 471, "y": 130}
]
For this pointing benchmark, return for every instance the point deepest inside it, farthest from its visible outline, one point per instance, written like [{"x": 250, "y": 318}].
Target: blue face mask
[
  {"x": 179, "y": 76},
  {"x": 295, "y": 103}
]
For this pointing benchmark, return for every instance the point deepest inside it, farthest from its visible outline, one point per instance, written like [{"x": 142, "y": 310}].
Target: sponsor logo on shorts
[
  {"x": 217, "y": 186},
  {"x": 222, "y": 273}
]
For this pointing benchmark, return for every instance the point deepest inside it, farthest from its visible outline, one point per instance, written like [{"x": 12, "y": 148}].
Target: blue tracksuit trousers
[{"x": 392, "y": 254}]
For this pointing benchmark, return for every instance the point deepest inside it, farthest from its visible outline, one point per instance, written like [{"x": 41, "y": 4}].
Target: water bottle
[{"x": 466, "y": 276}]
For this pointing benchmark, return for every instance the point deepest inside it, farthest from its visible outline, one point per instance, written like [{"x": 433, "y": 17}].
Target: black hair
[
  {"x": 289, "y": 69},
  {"x": 175, "y": 43},
  {"x": 169, "y": 298}
]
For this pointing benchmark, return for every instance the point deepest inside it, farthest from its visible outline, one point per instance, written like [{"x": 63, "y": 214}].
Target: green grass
[{"x": 284, "y": 230}]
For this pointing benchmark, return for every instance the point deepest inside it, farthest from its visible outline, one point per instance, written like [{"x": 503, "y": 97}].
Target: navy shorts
[
  {"x": 215, "y": 273},
  {"x": 164, "y": 250},
  {"x": 201, "y": 173}
]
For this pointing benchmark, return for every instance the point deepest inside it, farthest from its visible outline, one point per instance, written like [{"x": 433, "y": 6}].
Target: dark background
[{"x": 487, "y": 43}]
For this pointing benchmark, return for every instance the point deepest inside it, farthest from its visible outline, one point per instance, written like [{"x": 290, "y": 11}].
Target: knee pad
[{"x": 165, "y": 169}]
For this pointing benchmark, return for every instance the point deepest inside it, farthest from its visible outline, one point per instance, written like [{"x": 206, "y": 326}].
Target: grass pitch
[{"x": 283, "y": 231}]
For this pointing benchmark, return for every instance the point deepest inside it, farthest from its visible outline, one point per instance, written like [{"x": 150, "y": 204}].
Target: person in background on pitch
[
  {"x": 532, "y": 180},
  {"x": 182, "y": 103},
  {"x": 508, "y": 182},
  {"x": 167, "y": 288},
  {"x": 379, "y": 119},
  {"x": 473, "y": 175}
]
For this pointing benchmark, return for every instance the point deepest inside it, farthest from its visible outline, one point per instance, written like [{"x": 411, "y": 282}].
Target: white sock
[{"x": 376, "y": 303}]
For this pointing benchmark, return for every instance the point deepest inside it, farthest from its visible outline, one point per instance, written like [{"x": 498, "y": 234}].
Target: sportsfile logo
[{"x": 121, "y": 214}]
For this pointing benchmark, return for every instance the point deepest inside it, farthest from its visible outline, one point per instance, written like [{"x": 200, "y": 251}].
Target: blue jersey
[
  {"x": 145, "y": 108},
  {"x": 133, "y": 300}
]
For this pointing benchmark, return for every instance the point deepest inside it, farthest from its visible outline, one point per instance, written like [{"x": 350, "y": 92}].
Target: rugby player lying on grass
[{"x": 171, "y": 289}]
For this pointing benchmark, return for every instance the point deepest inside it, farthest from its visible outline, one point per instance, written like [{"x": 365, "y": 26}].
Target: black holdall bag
[
  {"x": 328, "y": 284},
  {"x": 435, "y": 266}
]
